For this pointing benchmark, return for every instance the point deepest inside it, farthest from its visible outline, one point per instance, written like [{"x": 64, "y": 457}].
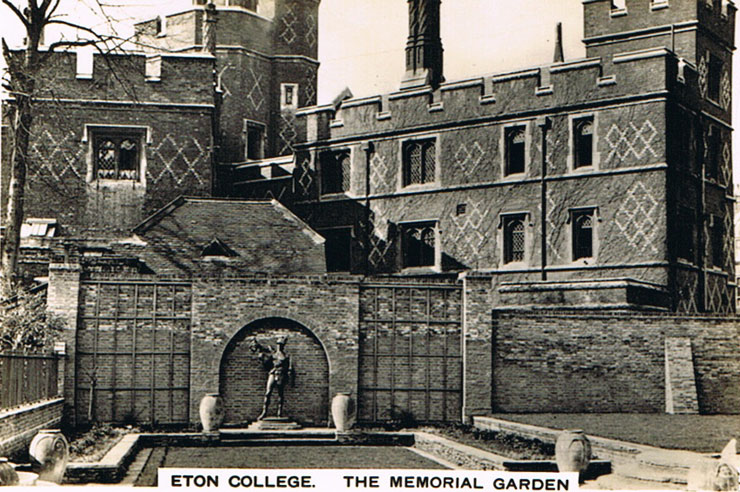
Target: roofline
[{"x": 315, "y": 236}]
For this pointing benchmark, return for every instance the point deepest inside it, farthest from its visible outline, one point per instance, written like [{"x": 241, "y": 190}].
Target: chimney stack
[{"x": 424, "y": 46}]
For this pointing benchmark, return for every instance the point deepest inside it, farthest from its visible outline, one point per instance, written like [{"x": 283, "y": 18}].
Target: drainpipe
[
  {"x": 701, "y": 223},
  {"x": 369, "y": 148},
  {"x": 544, "y": 123}
]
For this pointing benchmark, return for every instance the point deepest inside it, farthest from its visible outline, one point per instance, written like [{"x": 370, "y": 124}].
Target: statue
[{"x": 280, "y": 368}]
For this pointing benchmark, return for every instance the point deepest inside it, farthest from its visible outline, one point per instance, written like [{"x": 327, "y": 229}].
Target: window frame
[
  {"x": 504, "y": 219},
  {"x": 573, "y": 138},
  {"x": 403, "y": 227},
  {"x": 505, "y": 159},
  {"x": 284, "y": 104},
  {"x": 254, "y": 126},
  {"x": 717, "y": 243},
  {"x": 686, "y": 216},
  {"x": 573, "y": 214},
  {"x": 714, "y": 80},
  {"x": 323, "y": 175},
  {"x": 403, "y": 168},
  {"x": 713, "y": 153},
  {"x": 93, "y": 133}
]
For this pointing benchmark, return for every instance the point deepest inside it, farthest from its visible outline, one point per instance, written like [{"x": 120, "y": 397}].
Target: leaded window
[
  {"x": 714, "y": 77},
  {"x": 583, "y": 234},
  {"x": 117, "y": 156},
  {"x": 718, "y": 246},
  {"x": 514, "y": 240},
  {"x": 515, "y": 143},
  {"x": 336, "y": 167},
  {"x": 685, "y": 234},
  {"x": 713, "y": 153},
  {"x": 419, "y": 244},
  {"x": 419, "y": 161},
  {"x": 583, "y": 142}
]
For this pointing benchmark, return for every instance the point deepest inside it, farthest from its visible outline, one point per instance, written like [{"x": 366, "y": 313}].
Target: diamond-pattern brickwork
[
  {"x": 182, "y": 159},
  {"x": 637, "y": 219},
  {"x": 56, "y": 157},
  {"x": 631, "y": 141}
]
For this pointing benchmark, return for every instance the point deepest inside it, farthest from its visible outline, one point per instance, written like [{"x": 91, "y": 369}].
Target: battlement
[
  {"x": 611, "y": 25},
  {"x": 166, "y": 78},
  {"x": 577, "y": 84}
]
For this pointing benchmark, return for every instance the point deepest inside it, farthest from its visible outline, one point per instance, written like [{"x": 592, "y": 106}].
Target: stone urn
[
  {"x": 343, "y": 411},
  {"x": 572, "y": 451},
  {"x": 49, "y": 452},
  {"x": 712, "y": 475},
  {"x": 211, "y": 412},
  {"x": 8, "y": 475}
]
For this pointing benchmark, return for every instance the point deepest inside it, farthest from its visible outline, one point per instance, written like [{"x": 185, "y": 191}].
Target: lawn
[
  {"x": 283, "y": 457},
  {"x": 701, "y": 433}
]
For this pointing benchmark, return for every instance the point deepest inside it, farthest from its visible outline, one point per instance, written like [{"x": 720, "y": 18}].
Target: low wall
[
  {"x": 19, "y": 425},
  {"x": 614, "y": 361}
]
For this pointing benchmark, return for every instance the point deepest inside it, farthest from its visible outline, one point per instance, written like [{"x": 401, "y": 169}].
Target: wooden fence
[{"x": 27, "y": 378}]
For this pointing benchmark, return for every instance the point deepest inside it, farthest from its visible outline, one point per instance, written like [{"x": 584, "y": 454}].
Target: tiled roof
[{"x": 259, "y": 236}]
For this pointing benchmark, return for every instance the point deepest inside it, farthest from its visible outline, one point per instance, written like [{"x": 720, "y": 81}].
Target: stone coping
[
  {"x": 113, "y": 466},
  {"x": 29, "y": 407}
]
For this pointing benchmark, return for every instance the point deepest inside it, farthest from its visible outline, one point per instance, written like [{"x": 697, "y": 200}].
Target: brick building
[{"x": 450, "y": 249}]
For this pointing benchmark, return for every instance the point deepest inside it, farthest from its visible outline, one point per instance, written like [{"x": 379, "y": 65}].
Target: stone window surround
[
  {"x": 595, "y": 154},
  {"x": 257, "y": 125},
  {"x": 712, "y": 61},
  {"x": 716, "y": 230},
  {"x": 684, "y": 213},
  {"x": 526, "y": 124},
  {"x": 334, "y": 150},
  {"x": 437, "y": 267},
  {"x": 142, "y": 133},
  {"x": 528, "y": 225},
  {"x": 596, "y": 219},
  {"x": 284, "y": 93},
  {"x": 437, "y": 167}
]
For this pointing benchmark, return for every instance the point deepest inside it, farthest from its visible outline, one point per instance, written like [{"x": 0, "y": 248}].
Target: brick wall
[
  {"x": 18, "y": 426},
  {"x": 243, "y": 380},
  {"x": 608, "y": 362},
  {"x": 223, "y": 308}
]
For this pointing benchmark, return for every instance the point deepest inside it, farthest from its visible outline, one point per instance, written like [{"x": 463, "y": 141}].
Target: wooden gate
[
  {"x": 410, "y": 353},
  {"x": 133, "y": 352}
]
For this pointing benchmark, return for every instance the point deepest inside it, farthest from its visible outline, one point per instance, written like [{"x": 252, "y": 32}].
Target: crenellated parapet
[
  {"x": 132, "y": 78},
  {"x": 575, "y": 85}
]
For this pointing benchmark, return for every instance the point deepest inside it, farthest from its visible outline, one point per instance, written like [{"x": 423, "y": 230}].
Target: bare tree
[{"x": 21, "y": 81}]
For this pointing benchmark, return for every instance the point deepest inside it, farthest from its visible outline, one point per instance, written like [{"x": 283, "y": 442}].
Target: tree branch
[{"x": 17, "y": 13}]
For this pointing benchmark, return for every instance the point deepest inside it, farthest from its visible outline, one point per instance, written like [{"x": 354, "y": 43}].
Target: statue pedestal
[{"x": 274, "y": 423}]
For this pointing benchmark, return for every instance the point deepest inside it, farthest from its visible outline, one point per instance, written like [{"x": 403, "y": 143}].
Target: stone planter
[
  {"x": 211, "y": 412},
  {"x": 572, "y": 451},
  {"x": 712, "y": 475},
  {"x": 8, "y": 475},
  {"x": 343, "y": 411},
  {"x": 49, "y": 452}
]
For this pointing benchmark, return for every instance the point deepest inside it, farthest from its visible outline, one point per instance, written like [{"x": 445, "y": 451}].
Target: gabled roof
[{"x": 254, "y": 236}]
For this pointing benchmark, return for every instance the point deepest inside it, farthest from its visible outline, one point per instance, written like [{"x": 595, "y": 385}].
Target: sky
[{"x": 361, "y": 42}]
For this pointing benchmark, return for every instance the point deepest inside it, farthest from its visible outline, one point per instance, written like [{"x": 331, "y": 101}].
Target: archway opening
[{"x": 242, "y": 379}]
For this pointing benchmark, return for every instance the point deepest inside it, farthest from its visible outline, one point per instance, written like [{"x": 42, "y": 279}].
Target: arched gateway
[{"x": 242, "y": 379}]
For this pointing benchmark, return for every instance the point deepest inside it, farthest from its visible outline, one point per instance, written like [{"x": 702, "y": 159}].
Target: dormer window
[
  {"x": 33, "y": 227},
  {"x": 218, "y": 249}
]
